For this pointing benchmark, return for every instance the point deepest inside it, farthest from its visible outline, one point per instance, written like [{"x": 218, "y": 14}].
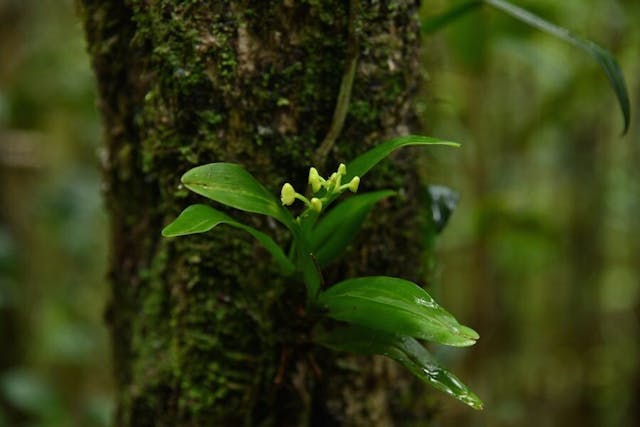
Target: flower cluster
[{"x": 332, "y": 186}]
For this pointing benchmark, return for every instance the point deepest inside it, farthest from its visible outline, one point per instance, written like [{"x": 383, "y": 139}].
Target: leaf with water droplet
[
  {"x": 395, "y": 306},
  {"x": 405, "y": 350}
]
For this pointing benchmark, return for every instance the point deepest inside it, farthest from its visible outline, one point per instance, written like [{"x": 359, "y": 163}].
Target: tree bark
[{"x": 204, "y": 331}]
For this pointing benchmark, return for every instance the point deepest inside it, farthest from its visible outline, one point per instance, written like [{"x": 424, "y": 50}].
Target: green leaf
[
  {"x": 194, "y": 219},
  {"x": 395, "y": 306},
  {"x": 202, "y": 218},
  {"x": 232, "y": 185},
  {"x": 363, "y": 163},
  {"x": 600, "y": 55},
  {"x": 406, "y": 351},
  {"x": 433, "y": 24},
  {"x": 335, "y": 231}
]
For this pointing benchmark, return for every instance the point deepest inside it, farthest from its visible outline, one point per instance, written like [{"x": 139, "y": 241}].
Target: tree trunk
[{"x": 204, "y": 331}]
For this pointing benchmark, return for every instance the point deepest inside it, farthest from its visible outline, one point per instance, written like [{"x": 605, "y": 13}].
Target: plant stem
[{"x": 344, "y": 95}]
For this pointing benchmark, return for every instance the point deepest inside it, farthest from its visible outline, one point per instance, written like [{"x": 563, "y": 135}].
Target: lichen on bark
[{"x": 204, "y": 330}]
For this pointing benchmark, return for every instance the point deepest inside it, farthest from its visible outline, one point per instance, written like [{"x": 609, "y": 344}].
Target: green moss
[{"x": 362, "y": 111}]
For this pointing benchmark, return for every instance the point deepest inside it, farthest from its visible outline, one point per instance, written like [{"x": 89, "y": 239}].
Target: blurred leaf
[
  {"x": 435, "y": 23},
  {"x": 442, "y": 202},
  {"x": 232, "y": 185},
  {"x": 337, "y": 229},
  {"x": 69, "y": 340},
  {"x": 363, "y": 163},
  {"x": 27, "y": 391},
  {"x": 99, "y": 411},
  {"x": 405, "y": 350},
  {"x": 396, "y": 306},
  {"x": 202, "y": 218},
  {"x": 601, "y": 56},
  {"x": 608, "y": 63},
  {"x": 8, "y": 269}
]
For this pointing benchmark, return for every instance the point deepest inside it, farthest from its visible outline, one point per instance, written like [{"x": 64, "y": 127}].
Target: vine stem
[{"x": 346, "y": 86}]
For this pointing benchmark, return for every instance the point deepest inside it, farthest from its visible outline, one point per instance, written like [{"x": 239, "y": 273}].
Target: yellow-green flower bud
[
  {"x": 288, "y": 194},
  {"x": 331, "y": 182},
  {"x": 342, "y": 169},
  {"x": 353, "y": 185},
  {"x": 315, "y": 180},
  {"x": 316, "y": 204}
]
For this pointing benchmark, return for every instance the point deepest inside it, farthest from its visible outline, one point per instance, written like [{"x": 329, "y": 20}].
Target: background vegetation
[{"x": 541, "y": 256}]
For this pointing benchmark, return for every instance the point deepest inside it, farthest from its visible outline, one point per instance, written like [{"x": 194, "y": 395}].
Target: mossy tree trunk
[{"x": 204, "y": 331}]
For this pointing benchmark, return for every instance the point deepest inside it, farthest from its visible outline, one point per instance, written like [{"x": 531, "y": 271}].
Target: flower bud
[
  {"x": 288, "y": 194},
  {"x": 331, "y": 182},
  {"x": 353, "y": 185},
  {"x": 314, "y": 180},
  {"x": 316, "y": 204},
  {"x": 342, "y": 169}
]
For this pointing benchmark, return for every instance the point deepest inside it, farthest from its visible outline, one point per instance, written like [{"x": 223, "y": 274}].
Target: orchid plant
[{"x": 375, "y": 315}]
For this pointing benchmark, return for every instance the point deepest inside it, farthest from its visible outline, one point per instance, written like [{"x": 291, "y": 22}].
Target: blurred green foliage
[
  {"x": 540, "y": 256},
  {"x": 54, "y": 359}
]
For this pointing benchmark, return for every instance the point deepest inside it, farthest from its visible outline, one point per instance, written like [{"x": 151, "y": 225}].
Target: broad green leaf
[
  {"x": 202, "y": 218},
  {"x": 404, "y": 350},
  {"x": 395, "y": 306},
  {"x": 232, "y": 185},
  {"x": 435, "y": 23},
  {"x": 195, "y": 219},
  {"x": 335, "y": 231},
  {"x": 363, "y": 163},
  {"x": 600, "y": 55}
]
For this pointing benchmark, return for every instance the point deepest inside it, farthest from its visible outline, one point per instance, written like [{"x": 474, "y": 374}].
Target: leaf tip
[
  {"x": 469, "y": 333},
  {"x": 168, "y": 232},
  {"x": 474, "y": 402}
]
